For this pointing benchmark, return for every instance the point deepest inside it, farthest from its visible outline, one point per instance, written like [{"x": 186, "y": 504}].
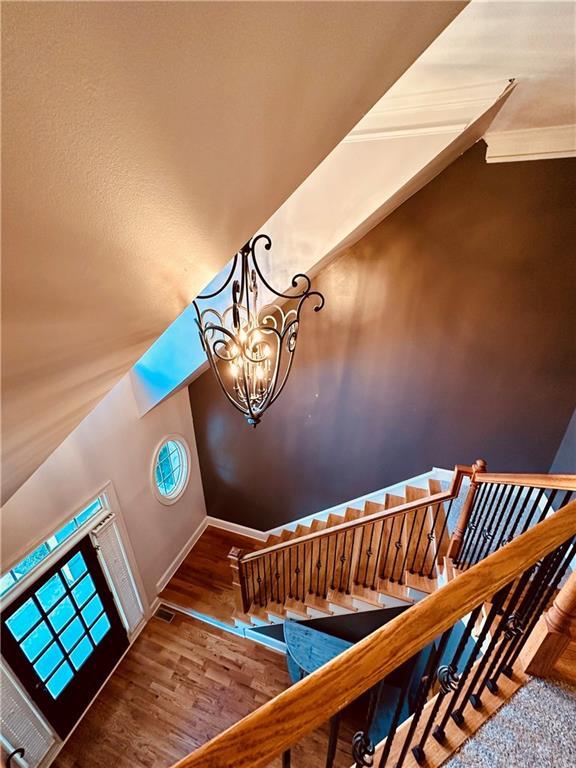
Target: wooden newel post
[
  {"x": 478, "y": 467},
  {"x": 238, "y": 580},
  {"x": 553, "y": 633}
]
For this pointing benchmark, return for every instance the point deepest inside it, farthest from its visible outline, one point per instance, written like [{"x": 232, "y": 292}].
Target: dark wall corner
[{"x": 448, "y": 335}]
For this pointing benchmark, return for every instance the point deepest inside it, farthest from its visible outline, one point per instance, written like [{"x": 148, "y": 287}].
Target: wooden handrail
[
  {"x": 559, "y": 482},
  {"x": 460, "y": 471},
  {"x": 275, "y": 726}
]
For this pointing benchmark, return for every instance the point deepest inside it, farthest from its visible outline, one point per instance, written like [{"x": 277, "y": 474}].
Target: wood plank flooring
[
  {"x": 204, "y": 580},
  {"x": 178, "y": 686}
]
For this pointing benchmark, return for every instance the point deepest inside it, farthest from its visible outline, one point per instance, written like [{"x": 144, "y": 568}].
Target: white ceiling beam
[{"x": 546, "y": 143}]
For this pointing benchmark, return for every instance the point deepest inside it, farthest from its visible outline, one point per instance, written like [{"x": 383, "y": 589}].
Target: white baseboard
[
  {"x": 179, "y": 559},
  {"x": 254, "y": 533},
  {"x": 243, "y": 530}
]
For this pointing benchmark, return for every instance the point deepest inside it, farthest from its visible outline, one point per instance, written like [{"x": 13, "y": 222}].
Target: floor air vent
[{"x": 164, "y": 615}]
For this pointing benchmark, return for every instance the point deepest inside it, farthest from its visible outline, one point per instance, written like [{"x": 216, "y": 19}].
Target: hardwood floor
[
  {"x": 178, "y": 686},
  {"x": 204, "y": 580}
]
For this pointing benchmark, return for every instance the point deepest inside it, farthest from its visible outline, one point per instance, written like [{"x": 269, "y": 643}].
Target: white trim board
[
  {"x": 242, "y": 530},
  {"x": 545, "y": 143}
]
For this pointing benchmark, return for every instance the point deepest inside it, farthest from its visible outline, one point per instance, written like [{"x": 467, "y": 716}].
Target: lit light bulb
[
  {"x": 233, "y": 350},
  {"x": 265, "y": 350},
  {"x": 259, "y": 373},
  {"x": 256, "y": 337},
  {"x": 234, "y": 369},
  {"x": 242, "y": 335}
]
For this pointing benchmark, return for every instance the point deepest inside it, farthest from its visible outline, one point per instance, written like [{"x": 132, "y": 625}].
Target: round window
[{"x": 171, "y": 469}]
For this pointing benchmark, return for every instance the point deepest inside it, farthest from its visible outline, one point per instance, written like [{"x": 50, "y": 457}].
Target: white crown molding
[
  {"x": 443, "y": 111},
  {"x": 403, "y": 133},
  {"x": 545, "y": 143}
]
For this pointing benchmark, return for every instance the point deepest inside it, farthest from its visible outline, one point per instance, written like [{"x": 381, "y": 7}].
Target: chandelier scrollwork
[{"x": 250, "y": 347}]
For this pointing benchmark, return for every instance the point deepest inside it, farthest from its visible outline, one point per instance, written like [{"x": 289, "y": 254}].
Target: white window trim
[
  {"x": 23, "y": 583},
  {"x": 168, "y": 500}
]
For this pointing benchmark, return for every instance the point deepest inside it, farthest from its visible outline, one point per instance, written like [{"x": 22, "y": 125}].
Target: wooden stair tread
[
  {"x": 394, "y": 590},
  {"x": 372, "y": 507},
  {"x": 275, "y": 609},
  {"x": 342, "y": 599},
  {"x": 392, "y": 500},
  {"x": 414, "y": 493},
  {"x": 421, "y": 583},
  {"x": 366, "y": 594},
  {"x": 352, "y": 514},
  {"x": 259, "y": 613},
  {"x": 295, "y": 606},
  {"x": 318, "y": 603}
]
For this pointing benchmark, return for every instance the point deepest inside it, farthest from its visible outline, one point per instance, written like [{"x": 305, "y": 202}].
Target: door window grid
[
  {"x": 31, "y": 561},
  {"x": 57, "y": 654}
]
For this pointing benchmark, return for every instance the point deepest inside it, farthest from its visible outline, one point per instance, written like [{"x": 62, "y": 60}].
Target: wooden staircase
[
  {"x": 374, "y": 555},
  {"x": 496, "y": 609}
]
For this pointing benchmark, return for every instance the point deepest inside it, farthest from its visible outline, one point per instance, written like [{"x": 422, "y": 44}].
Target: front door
[{"x": 63, "y": 636}]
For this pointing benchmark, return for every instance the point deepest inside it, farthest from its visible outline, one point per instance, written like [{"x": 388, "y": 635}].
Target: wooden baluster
[
  {"x": 455, "y": 543},
  {"x": 553, "y": 633},
  {"x": 239, "y": 580}
]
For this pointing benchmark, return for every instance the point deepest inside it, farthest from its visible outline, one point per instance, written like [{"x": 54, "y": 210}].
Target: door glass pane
[
  {"x": 36, "y": 641},
  {"x": 61, "y": 615},
  {"x": 81, "y": 652},
  {"x": 50, "y": 592},
  {"x": 23, "y": 619},
  {"x": 100, "y": 628},
  {"x": 60, "y": 679},
  {"x": 49, "y": 660},
  {"x": 74, "y": 568},
  {"x": 72, "y": 634},
  {"x": 92, "y": 610},
  {"x": 83, "y": 591}
]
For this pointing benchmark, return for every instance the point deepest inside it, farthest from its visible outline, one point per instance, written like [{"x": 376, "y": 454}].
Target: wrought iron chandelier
[{"x": 250, "y": 347}]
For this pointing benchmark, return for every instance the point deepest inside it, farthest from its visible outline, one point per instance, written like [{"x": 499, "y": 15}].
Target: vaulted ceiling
[{"x": 143, "y": 144}]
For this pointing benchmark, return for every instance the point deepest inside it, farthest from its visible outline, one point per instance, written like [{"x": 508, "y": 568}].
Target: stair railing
[
  {"x": 500, "y": 507},
  {"x": 470, "y": 659},
  {"x": 383, "y": 545}
]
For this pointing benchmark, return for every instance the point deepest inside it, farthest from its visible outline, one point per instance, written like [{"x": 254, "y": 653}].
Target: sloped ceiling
[
  {"x": 533, "y": 42},
  {"x": 143, "y": 143}
]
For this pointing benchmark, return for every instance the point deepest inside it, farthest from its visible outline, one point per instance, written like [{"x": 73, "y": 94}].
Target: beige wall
[{"x": 112, "y": 445}]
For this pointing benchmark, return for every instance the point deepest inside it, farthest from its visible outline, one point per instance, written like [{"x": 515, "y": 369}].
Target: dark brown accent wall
[{"x": 448, "y": 334}]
